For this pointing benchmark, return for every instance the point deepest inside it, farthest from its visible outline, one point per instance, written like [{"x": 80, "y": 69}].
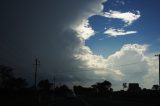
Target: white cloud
[
  {"x": 144, "y": 68},
  {"x": 97, "y": 64},
  {"x": 129, "y": 64},
  {"x": 127, "y": 17},
  {"x": 118, "y": 32},
  {"x": 84, "y": 30}
]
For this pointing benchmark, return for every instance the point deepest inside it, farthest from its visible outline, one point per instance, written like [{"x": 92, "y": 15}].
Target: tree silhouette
[
  {"x": 103, "y": 87},
  {"x": 20, "y": 83},
  {"x": 124, "y": 85},
  {"x": 8, "y": 81},
  {"x": 155, "y": 87},
  {"x": 63, "y": 91},
  {"x": 44, "y": 85},
  {"x": 6, "y": 77},
  {"x": 134, "y": 87}
]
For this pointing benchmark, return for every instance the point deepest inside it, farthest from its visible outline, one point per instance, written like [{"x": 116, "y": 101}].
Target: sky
[
  {"x": 80, "y": 42},
  {"x": 146, "y": 26}
]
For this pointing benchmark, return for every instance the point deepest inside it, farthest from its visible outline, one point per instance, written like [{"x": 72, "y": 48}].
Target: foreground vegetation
[{"x": 14, "y": 91}]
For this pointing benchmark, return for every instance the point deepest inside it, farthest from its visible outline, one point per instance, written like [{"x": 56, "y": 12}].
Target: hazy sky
[{"x": 82, "y": 41}]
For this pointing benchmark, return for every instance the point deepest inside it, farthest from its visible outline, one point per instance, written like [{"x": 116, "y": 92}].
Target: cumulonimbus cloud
[
  {"x": 50, "y": 33},
  {"x": 118, "y": 32},
  {"x": 129, "y": 64}
]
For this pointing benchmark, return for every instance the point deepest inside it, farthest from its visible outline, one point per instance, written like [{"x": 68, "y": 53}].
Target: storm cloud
[
  {"x": 54, "y": 32},
  {"x": 43, "y": 29}
]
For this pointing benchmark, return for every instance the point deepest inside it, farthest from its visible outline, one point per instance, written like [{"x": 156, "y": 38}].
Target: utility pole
[
  {"x": 54, "y": 86},
  {"x": 159, "y": 67},
  {"x": 37, "y": 63}
]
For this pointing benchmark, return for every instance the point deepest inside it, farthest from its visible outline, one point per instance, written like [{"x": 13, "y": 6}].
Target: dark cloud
[
  {"x": 45, "y": 29},
  {"x": 38, "y": 28}
]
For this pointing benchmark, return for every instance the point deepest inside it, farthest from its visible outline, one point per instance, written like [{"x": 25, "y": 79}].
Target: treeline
[
  {"x": 8, "y": 81},
  {"x": 16, "y": 91}
]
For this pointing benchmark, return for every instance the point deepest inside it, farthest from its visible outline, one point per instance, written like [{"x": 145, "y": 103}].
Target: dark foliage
[
  {"x": 13, "y": 91},
  {"x": 44, "y": 85},
  {"x": 63, "y": 91},
  {"x": 8, "y": 81}
]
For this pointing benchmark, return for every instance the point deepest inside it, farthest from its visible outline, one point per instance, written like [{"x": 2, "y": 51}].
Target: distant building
[
  {"x": 155, "y": 87},
  {"x": 134, "y": 87}
]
